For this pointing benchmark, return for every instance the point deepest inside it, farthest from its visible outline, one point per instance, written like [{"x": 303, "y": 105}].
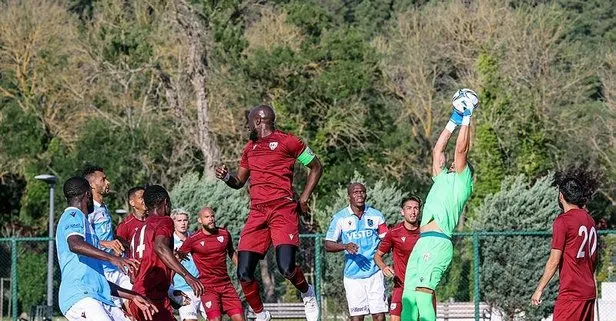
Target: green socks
[{"x": 425, "y": 307}]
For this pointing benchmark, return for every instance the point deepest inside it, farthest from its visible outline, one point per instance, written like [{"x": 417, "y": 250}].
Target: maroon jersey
[
  {"x": 153, "y": 277},
  {"x": 270, "y": 161},
  {"x": 209, "y": 252},
  {"x": 126, "y": 229},
  {"x": 400, "y": 242},
  {"x": 574, "y": 233}
]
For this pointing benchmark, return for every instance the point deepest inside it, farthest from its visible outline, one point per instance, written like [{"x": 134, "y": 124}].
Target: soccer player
[
  {"x": 85, "y": 294},
  {"x": 101, "y": 220},
  {"x": 358, "y": 230},
  {"x": 574, "y": 248},
  {"x": 210, "y": 247},
  {"x": 268, "y": 159},
  {"x": 445, "y": 202},
  {"x": 152, "y": 246},
  {"x": 399, "y": 240},
  {"x": 190, "y": 311},
  {"x": 135, "y": 220}
]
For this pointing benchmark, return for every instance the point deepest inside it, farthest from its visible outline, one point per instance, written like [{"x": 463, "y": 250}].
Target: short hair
[
  {"x": 352, "y": 185},
  {"x": 134, "y": 190},
  {"x": 154, "y": 195},
  {"x": 179, "y": 211},
  {"x": 578, "y": 184},
  {"x": 411, "y": 198},
  {"x": 75, "y": 186},
  {"x": 88, "y": 170}
]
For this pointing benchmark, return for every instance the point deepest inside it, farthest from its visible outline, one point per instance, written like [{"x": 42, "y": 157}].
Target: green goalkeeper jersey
[{"x": 446, "y": 199}]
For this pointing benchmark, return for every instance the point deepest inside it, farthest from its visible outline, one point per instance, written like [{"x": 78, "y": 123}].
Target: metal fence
[{"x": 493, "y": 274}]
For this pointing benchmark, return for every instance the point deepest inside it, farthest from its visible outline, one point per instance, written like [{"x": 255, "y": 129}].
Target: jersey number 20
[
  {"x": 590, "y": 238},
  {"x": 141, "y": 246}
]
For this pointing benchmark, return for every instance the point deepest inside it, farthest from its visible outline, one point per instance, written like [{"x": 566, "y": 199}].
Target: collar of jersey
[
  {"x": 366, "y": 210},
  {"x": 72, "y": 208}
]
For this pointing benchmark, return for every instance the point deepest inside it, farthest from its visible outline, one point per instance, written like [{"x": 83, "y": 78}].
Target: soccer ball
[{"x": 464, "y": 99}]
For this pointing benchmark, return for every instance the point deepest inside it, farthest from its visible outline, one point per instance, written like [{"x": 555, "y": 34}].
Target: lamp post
[{"x": 51, "y": 180}]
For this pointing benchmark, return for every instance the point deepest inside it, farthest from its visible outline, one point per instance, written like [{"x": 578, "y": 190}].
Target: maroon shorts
[
  {"x": 395, "y": 306},
  {"x": 274, "y": 222},
  {"x": 165, "y": 311},
  {"x": 221, "y": 299},
  {"x": 574, "y": 310}
]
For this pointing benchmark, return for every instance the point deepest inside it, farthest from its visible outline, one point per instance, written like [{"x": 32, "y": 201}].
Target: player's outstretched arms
[
  {"x": 387, "y": 270},
  {"x": 331, "y": 246},
  {"x": 79, "y": 246},
  {"x": 145, "y": 305},
  {"x": 233, "y": 181},
  {"x": 462, "y": 146},
  {"x": 164, "y": 252},
  {"x": 316, "y": 170},
  {"x": 438, "y": 152},
  {"x": 548, "y": 273}
]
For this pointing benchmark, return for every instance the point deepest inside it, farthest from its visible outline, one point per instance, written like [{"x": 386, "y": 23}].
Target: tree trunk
[{"x": 196, "y": 32}]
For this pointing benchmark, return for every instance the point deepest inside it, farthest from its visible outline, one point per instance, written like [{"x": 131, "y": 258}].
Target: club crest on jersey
[
  {"x": 202, "y": 243},
  {"x": 370, "y": 222},
  {"x": 208, "y": 304},
  {"x": 393, "y": 306},
  {"x": 273, "y": 145},
  {"x": 426, "y": 257},
  {"x": 220, "y": 238},
  {"x": 403, "y": 239}
]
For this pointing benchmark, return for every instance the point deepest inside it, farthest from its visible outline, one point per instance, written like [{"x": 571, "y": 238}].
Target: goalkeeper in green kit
[{"x": 445, "y": 202}]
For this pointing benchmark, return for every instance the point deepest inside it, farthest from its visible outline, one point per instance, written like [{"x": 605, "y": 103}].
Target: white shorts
[
  {"x": 366, "y": 296},
  {"x": 192, "y": 311},
  {"x": 122, "y": 280},
  {"x": 89, "y": 309}
]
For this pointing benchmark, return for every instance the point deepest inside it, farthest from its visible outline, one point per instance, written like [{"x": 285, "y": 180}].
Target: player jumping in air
[
  {"x": 574, "y": 248},
  {"x": 135, "y": 220},
  {"x": 268, "y": 159},
  {"x": 85, "y": 294},
  {"x": 400, "y": 240},
  {"x": 152, "y": 246},
  {"x": 210, "y": 247},
  {"x": 445, "y": 202}
]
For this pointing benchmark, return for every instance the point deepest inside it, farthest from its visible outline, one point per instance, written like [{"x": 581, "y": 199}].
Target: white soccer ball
[{"x": 464, "y": 99}]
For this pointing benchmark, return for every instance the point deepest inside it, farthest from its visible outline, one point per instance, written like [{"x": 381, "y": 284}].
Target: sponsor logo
[
  {"x": 73, "y": 214},
  {"x": 360, "y": 234},
  {"x": 360, "y": 309},
  {"x": 403, "y": 239},
  {"x": 273, "y": 145},
  {"x": 72, "y": 226},
  {"x": 291, "y": 236},
  {"x": 220, "y": 238}
]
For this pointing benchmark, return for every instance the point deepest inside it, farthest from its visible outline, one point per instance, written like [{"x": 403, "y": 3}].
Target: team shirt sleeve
[
  {"x": 74, "y": 224},
  {"x": 386, "y": 243},
  {"x": 382, "y": 228},
  {"x": 300, "y": 151},
  {"x": 559, "y": 233},
  {"x": 333, "y": 232},
  {"x": 244, "y": 160},
  {"x": 122, "y": 231},
  {"x": 440, "y": 175},
  {"x": 165, "y": 227}
]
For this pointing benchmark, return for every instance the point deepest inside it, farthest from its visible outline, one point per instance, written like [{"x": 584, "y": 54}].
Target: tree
[{"x": 512, "y": 265}]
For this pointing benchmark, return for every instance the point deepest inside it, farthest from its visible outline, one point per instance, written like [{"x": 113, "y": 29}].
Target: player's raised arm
[
  {"x": 164, "y": 252},
  {"x": 438, "y": 152},
  {"x": 462, "y": 146},
  {"x": 236, "y": 181}
]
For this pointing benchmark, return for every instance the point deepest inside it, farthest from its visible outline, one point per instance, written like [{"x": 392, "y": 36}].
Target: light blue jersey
[
  {"x": 366, "y": 232},
  {"x": 178, "y": 281},
  {"x": 103, "y": 227},
  {"x": 82, "y": 276}
]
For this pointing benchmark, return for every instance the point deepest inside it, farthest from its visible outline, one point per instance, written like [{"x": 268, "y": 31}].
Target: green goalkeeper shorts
[{"x": 429, "y": 260}]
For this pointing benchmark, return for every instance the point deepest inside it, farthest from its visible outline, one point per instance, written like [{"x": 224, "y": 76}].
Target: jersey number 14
[
  {"x": 141, "y": 246},
  {"x": 590, "y": 239}
]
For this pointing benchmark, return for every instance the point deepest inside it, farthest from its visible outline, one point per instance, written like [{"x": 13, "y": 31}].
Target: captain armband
[{"x": 306, "y": 156}]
